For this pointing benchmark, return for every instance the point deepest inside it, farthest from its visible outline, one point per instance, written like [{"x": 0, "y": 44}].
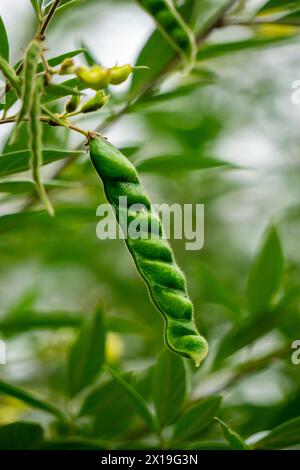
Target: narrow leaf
[
  {"x": 168, "y": 164},
  {"x": 235, "y": 440},
  {"x": 285, "y": 435},
  {"x": 4, "y": 44},
  {"x": 87, "y": 355},
  {"x": 30, "y": 399},
  {"x": 136, "y": 399},
  {"x": 265, "y": 274},
  {"x": 16, "y": 162},
  {"x": 169, "y": 387},
  {"x": 196, "y": 419},
  {"x": 36, "y": 6}
]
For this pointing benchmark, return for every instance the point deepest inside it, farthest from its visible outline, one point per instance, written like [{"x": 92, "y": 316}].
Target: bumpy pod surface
[
  {"x": 152, "y": 255},
  {"x": 172, "y": 25}
]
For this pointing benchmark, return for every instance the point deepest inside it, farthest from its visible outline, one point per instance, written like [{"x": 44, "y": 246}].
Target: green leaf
[
  {"x": 65, "y": 6},
  {"x": 157, "y": 63},
  {"x": 149, "y": 57},
  {"x": 227, "y": 48},
  {"x": 17, "y": 187},
  {"x": 4, "y": 44},
  {"x": 168, "y": 164},
  {"x": 265, "y": 274},
  {"x": 216, "y": 292},
  {"x": 252, "y": 328},
  {"x": 88, "y": 55},
  {"x": 285, "y": 435},
  {"x": 72, "y": 86},
  {"x": 27, "y": 320},
  {"x": 30, "y": 399},
  {"x": 137, "y": 400},
  {"x": 169, "y": 387},
  {"x": 87, "y": 355},
  {"x": 110, "y": 409},
  {"x": 15, "y": 162},
  {"x": 235, "y": 440},
  {"x": 36, "y": 6},
  {"x": 196, "y": 419},
  {"x": 20, "y": 436},
  {"x": 275, "y": 6}
]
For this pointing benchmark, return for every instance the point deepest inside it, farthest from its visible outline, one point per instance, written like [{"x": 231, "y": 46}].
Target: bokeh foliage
[{"x": 87, "y": 367}]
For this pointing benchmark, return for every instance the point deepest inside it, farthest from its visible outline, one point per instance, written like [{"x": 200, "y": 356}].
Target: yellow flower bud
[{"x": 95, "y": 77}]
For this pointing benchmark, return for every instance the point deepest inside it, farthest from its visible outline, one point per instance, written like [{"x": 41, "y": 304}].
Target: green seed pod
[
  {"x": 10, "y": 75},
  {"x": 154, "y": 5},
  {"x": 120, "y": 73},
  {"x": 73, "y": 103},
  {"x": 179, "y": 36},
  {"x": 153, "y": 256},
  {"x": 95, "y": 77},
  {"x": 166, "y": 19},
  {"x": 95, "y": 103},
  {"x": 173, "y": 27},
  {"x": 67, "y": 67},
  {"x": 35, "y": 144},
  {"x": 32, "y": 56}
]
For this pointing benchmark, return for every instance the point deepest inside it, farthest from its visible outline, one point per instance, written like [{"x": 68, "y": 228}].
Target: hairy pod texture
[
  {"x": 35, "y": 143},
  {"x": 29, "y": 81},
  {"x": 10, "y": 75},
  {"x": 152, "y": 254}
]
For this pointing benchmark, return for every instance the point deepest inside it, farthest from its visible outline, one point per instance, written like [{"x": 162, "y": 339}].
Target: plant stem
[
  {"x": 214, "y": 22},
  {"x": 47, "y": 20},
  {"x": 52, "y": 120},
  {"x": 261, "y": 22}
]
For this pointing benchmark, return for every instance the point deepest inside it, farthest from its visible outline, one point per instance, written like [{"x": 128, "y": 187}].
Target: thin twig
[
  {"x": 46, "y": 21},
  {"x": 214, "y": 22},
  {"x": 52, "y": 121}
]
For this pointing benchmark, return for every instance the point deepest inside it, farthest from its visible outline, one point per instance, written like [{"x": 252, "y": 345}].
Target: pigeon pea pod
[
  {"x": 35, "y": 143},
  {"x": 29, "y": 80},
  {"x": 152, "y": 254},
  {"x": 10, "y": 75},
  {"x": 172, "y": 25}
]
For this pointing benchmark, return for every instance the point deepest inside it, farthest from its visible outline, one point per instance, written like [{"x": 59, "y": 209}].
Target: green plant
[
  {"x": 87, "y": 367},
  {"x": 153, "y": 255}
]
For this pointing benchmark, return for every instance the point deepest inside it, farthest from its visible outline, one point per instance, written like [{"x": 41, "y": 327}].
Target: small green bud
[
  {"x": 95, "y": 103},
  {"x": 67, "y": 67},
  {"x": 73, "y": 103},
  {"x": 95, "y": 77}
]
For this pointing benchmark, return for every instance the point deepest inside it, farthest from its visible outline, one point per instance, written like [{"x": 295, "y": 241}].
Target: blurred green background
[{"x": 236, "y": 107}]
